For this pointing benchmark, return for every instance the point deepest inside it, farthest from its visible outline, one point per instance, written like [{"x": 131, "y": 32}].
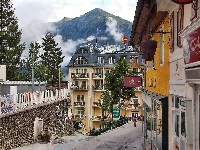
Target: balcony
[
  {"x": 98, "y": 88},
  {"x": 79, "y": 87},
  {"x": 79, "y": 104},
  {"x": 97, "y": 75},
  {"x": 79, "y": 75},
  {"x": 78, "y": 117},
  {"x": 96, "y": 104},
  {"x": 96, "y": 118}
]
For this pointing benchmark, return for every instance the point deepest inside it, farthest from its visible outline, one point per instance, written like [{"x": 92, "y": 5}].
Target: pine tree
[
  {"x": 10, "y": 36},
  {"x": 52, "y": 57},
  {"x": 33, "y": 62}
]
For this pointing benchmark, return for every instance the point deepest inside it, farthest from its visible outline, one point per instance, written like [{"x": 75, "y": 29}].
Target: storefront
[
  {"x": 156, "y": 114},
  {"x": 191, "y": 53}
]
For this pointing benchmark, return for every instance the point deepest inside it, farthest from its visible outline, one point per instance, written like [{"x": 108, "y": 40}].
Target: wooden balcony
[
  {"x": 79, "y": 104},
  {"x": 79, "y": 75},
  {"x": 97, "y": 75}
]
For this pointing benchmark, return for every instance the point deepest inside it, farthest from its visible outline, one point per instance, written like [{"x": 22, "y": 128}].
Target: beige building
[{"x": 87, "y": 69}]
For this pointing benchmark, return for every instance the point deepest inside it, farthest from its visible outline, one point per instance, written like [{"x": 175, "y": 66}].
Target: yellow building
[
  {"x": 150, "y": 34},
  {"x": 87, "y": 69}
]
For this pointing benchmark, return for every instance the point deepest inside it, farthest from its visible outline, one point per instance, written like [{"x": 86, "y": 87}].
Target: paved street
[{"x": 126, "y": 137}]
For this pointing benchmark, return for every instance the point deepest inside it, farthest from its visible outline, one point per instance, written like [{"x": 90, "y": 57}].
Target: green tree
[
  {"x": 114, "y": 82},
  {"x": 10, "y": 36},
  {"x": 52, "y": 57},
  {"x": 33, "y": 61},
  {"x": 106, "y": 102}
]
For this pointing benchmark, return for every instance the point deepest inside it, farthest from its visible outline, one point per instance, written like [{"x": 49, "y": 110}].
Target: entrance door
[{"x": 134, "y": 114}]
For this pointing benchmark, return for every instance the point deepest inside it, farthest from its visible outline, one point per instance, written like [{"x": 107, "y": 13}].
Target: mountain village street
[{"x": 126, "y": 137}]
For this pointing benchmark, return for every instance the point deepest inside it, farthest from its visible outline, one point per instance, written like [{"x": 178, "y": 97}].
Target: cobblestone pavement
[{"x": 126, "y": 137}]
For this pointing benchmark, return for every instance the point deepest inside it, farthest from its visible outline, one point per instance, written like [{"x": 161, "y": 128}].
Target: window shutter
[
  {"x": 193, "y": 12},
  {"x": 180, "y": 16},
  {"x": 171, "y": 44}
]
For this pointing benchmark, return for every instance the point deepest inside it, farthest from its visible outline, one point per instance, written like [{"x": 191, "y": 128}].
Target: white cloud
[
  {"x": 113, "y": 29},
  {"x": 32, "y": 15}
]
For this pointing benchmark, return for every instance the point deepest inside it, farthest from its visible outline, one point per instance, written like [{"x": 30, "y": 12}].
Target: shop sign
[
  {"x": 115, "y": 112},
  {"x": 132, "y": 81},
  {"x": 191, "y": 47}
]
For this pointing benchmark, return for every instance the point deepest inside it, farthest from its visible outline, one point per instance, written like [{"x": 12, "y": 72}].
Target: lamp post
[{"x": 32, "y": 79}]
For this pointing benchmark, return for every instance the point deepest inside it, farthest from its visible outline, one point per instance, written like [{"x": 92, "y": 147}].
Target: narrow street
[{"x": 126, "y": 137}]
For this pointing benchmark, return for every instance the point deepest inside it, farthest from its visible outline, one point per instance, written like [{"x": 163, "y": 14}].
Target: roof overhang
[
  {"x": 146, "y": 18},
  {"x": 153, "y": 95}
]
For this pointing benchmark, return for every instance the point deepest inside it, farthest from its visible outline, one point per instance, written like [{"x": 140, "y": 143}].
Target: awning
[{"x": 153, "y": 95}]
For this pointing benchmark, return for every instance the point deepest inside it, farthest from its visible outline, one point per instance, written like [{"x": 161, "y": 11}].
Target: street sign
[{"x": 115, "y": 113}]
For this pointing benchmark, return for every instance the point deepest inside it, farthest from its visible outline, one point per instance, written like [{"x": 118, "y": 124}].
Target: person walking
[{"x": 134, "y": 121}]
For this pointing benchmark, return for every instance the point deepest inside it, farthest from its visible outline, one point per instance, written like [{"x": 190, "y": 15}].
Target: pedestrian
[{"x": 134, "y": 121}]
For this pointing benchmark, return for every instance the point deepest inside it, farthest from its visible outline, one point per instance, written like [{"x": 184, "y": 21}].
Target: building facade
[
  {"x": 87, "y": 69},
  {"x": 184, "y": 77},
  {"x": 150, "y": 34}
]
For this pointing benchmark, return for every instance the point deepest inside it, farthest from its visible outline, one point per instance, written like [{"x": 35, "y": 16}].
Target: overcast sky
[{"x": 32, "y": 14}]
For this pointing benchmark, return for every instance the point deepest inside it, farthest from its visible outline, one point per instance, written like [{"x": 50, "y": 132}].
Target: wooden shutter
[
  {"x": 193, "y": 12},
  {"x": 180, "y": 16},
  {"x": 171, "y": 42}
]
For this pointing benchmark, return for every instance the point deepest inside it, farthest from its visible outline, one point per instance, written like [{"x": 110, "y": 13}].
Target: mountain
[{"x": 91, "y": 23}]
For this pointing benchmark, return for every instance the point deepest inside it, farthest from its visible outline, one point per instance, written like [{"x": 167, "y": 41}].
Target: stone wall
[{"x": 17, "y": 128}]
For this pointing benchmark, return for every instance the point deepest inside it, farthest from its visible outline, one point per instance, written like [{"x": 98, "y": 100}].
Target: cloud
[{"x": 113, "y": 29}]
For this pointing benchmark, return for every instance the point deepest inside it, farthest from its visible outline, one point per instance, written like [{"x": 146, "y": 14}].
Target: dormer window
[
  {"x": 100, "y": 60},
  {"x": 111, "y": 60},
  {"x": 80, "y": 60}
]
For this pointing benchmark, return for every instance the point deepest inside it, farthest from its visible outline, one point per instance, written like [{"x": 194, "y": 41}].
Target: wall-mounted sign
[
  {"x": 152, "y": 82},
  {"x": 191, "y": 47},
  {"x": 132, "y": 81}
]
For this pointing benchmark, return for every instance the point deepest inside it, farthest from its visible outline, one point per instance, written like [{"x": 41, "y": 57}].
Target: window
[
  {"x": 176, "y": 102},
  {"x": 111, "y": 60},
  {"x": 177, "y": 125},
  {"x": 83, "y": 85},
  {"x": 83, "y": 70},
  {"x": 162, "y": 47},
  {"x": 99, "y": 84},
  {"x": 82, "y": 98},
  {"x": 80, "y": 112},
  {"x": 171, "y": 44},
  {"x": 183, "y": 129},
  {"x": 100, "y": 60},
  {"x": 179, "y": 24},
  {"x": 78, "y": 98},
  {"x": 80, "y": 60}
]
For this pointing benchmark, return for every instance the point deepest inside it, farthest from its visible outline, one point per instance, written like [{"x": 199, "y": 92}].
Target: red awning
[{"x": 132, "y": 81}]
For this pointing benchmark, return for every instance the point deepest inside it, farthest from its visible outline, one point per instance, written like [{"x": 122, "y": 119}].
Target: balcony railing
[
  {"x": 100, "y": 87},
  {"x": 79, "y": 87},
  {"x": 79, "y": 104},
  {"x": 96, "y": 104},
  {"x": 79, "y": 75},
  {"x": 96, "y": 118},
  {"x": 79, "y": 116},
  {"x": 97, "y": 75}
]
